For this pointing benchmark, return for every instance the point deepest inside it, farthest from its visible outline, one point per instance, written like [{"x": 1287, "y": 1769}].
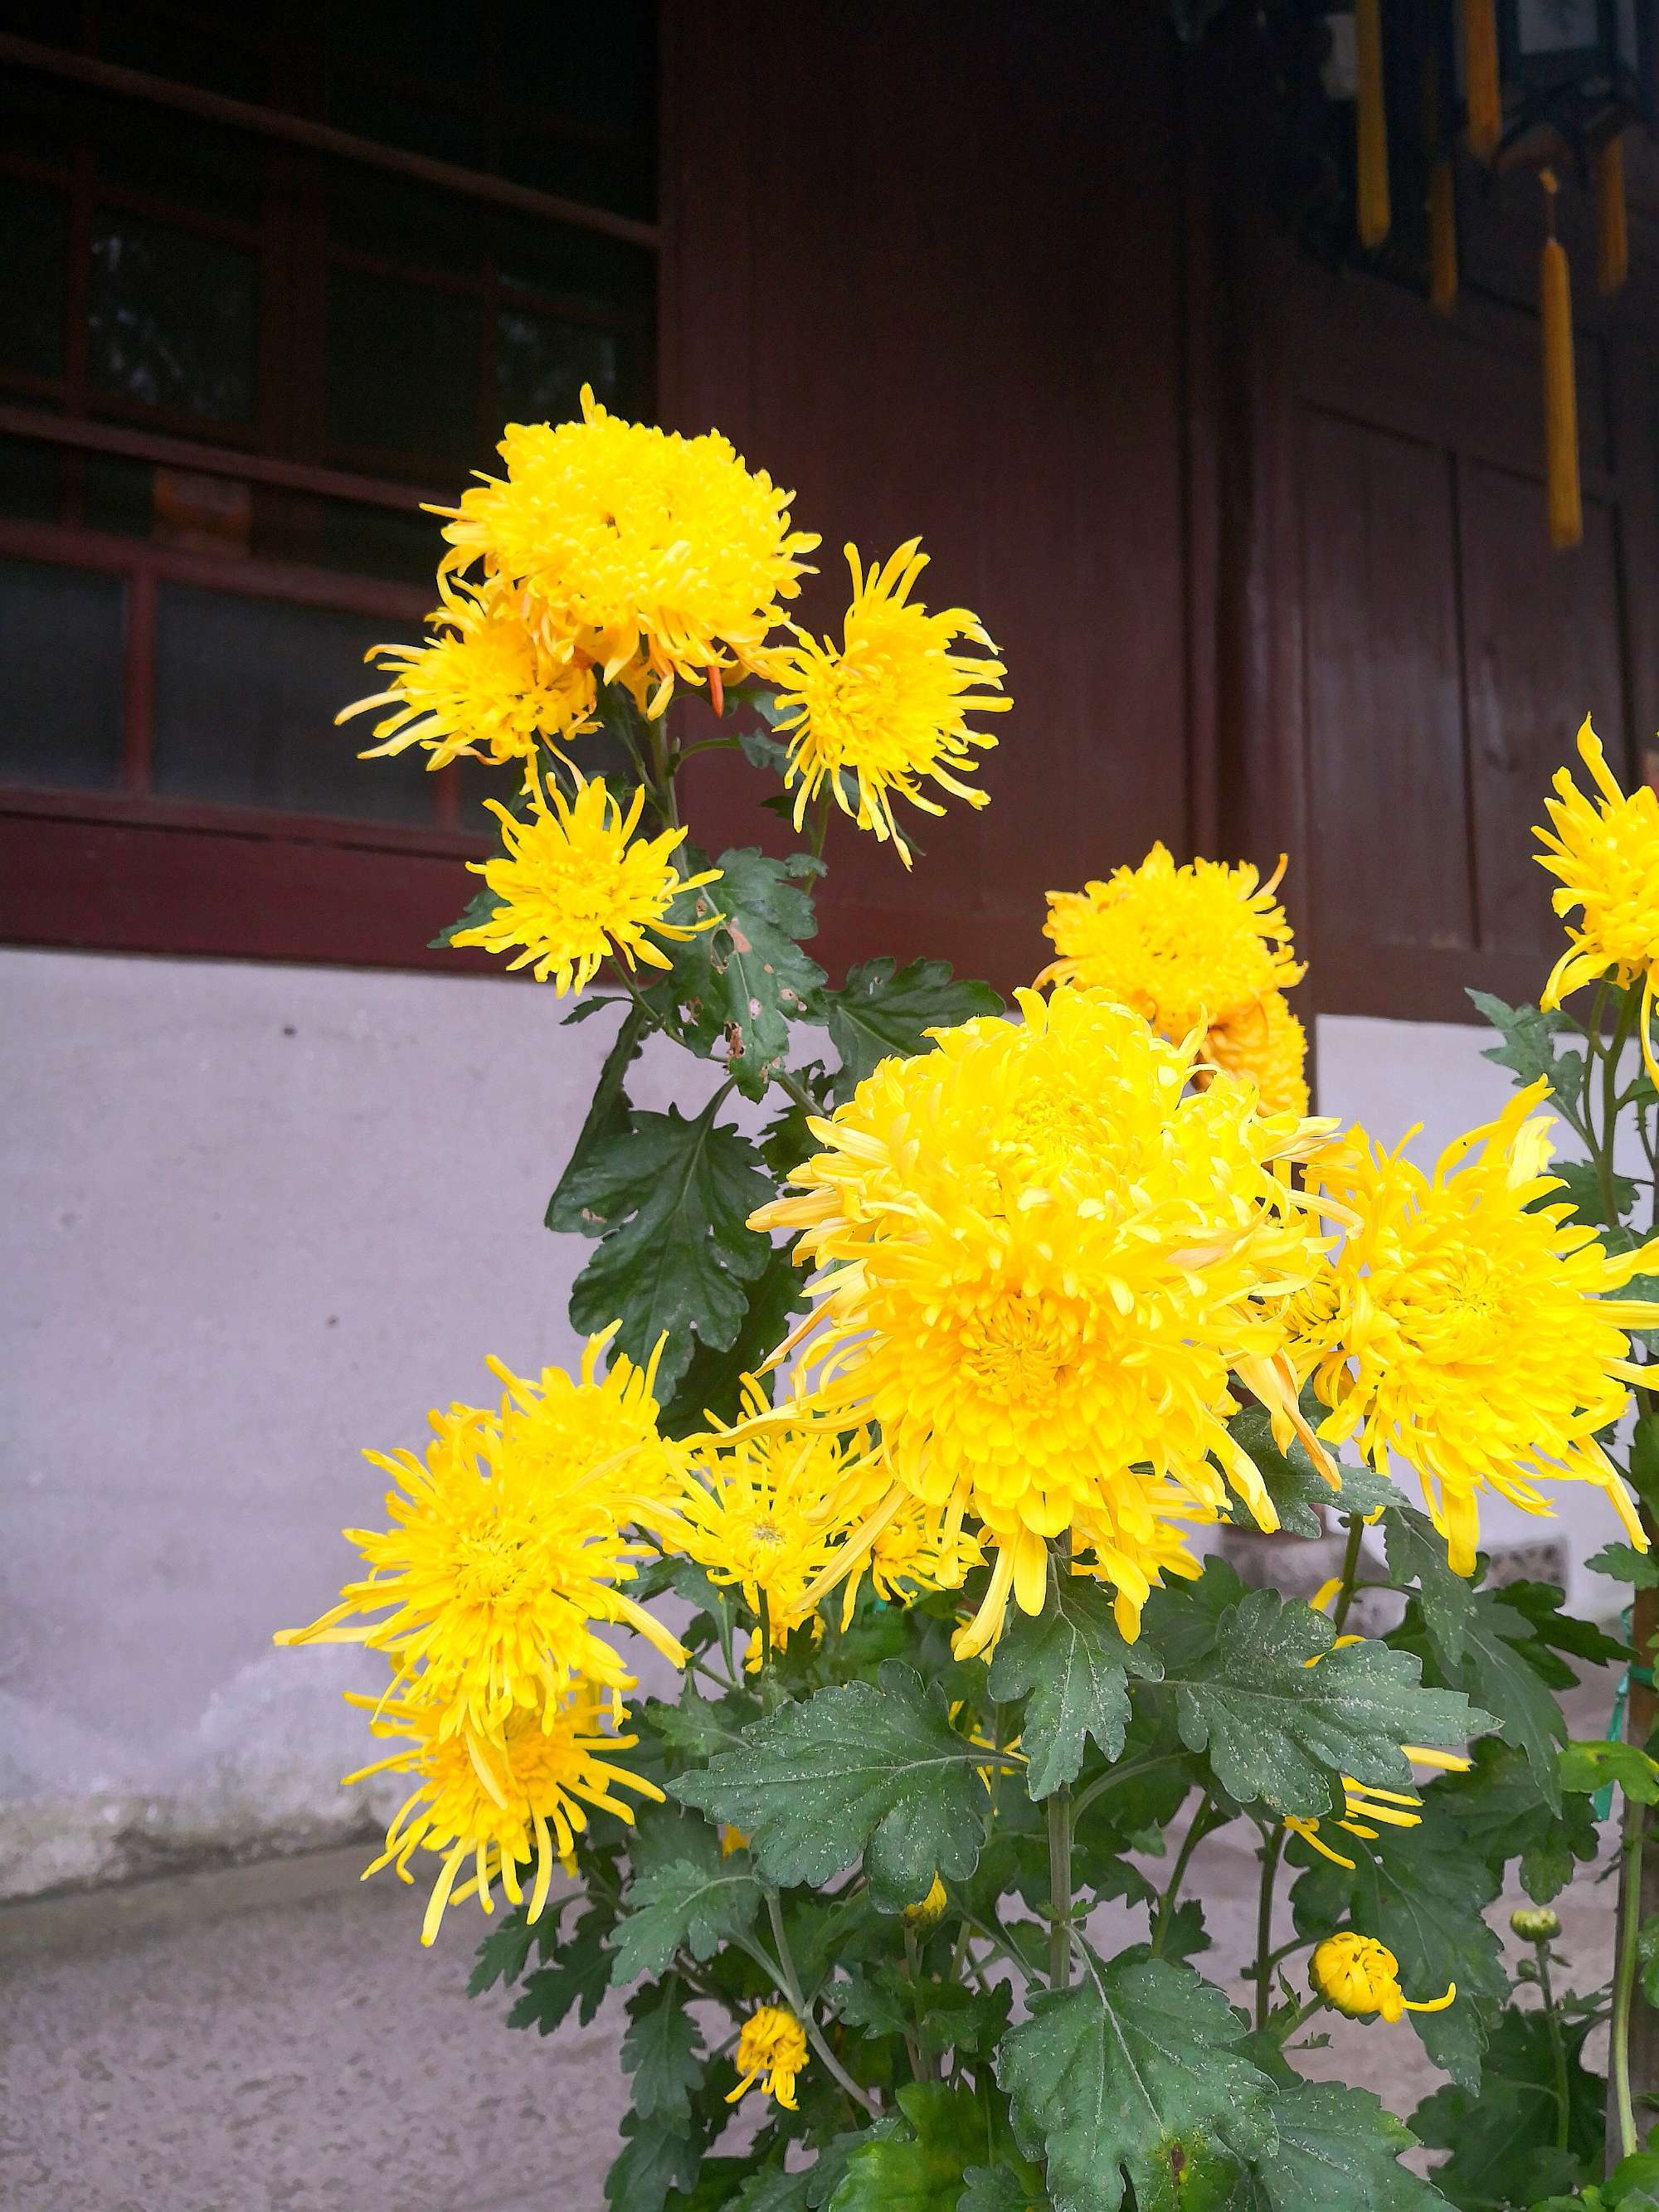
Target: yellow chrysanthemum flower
[
  {"x": 577, "y": 887},
  {"x": 1198, "y": 947},
  {"x": 772, "y": 2051},
  {"x": 1047, "y": 1259},
  {"x": 1358, "y": 1975},
  {"x": 888, "y": 706},
  {"x": 481, "y": 686},
  {"x": 1469, "y": 1327},
  {"x": 763, "y": 1507},
  {"x": 1606, "y": 852},
  {"x": 521, "y": 1803},
  {"x": 509, "y": 1544},
  {"x": 920, "y": 1548},
  {"x": 1267, "y": 1043},
  {"x": 635, "y": 547}
]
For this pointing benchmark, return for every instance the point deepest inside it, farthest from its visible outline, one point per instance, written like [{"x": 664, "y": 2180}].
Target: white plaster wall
[
  {"x": 254, "y": 1218},
  {"x": 1389, "y": 1076}
]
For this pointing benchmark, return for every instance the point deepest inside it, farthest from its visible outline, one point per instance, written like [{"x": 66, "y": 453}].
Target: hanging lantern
[{"x": 1575, "y": 72}]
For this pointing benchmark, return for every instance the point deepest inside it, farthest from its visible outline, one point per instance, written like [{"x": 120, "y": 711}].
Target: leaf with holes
[
  {"x": 1278, "y": 1732},
  {"x": 867, "y": 1768},
  {"x": 1073, "y": 1666},
  {"x": 883, "y": 1012},
  {"x": 739, "y": 986},
  {"x": 1131, "y": 2076},
  {"x": 672, "y": 1199}
]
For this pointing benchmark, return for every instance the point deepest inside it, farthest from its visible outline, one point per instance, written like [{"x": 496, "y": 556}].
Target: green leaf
[
  {"x": 772, "y": 2191},
  {"x": 1626, "y": 1565},
  {"x": 502, "y": 1955},
  {"x": 1529, "y": 1047},
  {"x": 1498, "y": 1810},
  {"x": 1542, "y": 1604},
  {"x": 1498, "y": 1664},
  {"x": 697, "y": 1727},
  {"x": 1417, "y": 1555},
  {"x": 1000, "y": 2188},
  {"x": 660, "y": 2050},
  {"x": 1503, "y": 2141},
  {"x": 761, "y": 749},
  {"x": 672, "y": 1199},
  {"x": 1647, "y": 1956},
  {"x": 923, "y": 2171},
  {"x": 742, "y": 984},
  {"x": 656, "y": 2156},
  {"x": 683, "y": 1907},
  {"x": 1422, "y": 1891},
  {"x": 608, "y": 1115},
  {"x": 576, "y": 1979},
  {"x": 870, "y": 1768},
  {"x": 883, "y": 1012},
  {"x": 1073, "y": 1666},
  {"x": 1278, "y": 1732},
  {"x": 1127, "y": 2077},
  {"x": 1338, "y": 2151},
  {"x": 1295, "y": 1485},
  {"x": 1583, "y": 1188},
  {"x": 479, "y": 909},
  {"x": 711, "y": 1382},
  {"x": 1588, "y": 1767}
]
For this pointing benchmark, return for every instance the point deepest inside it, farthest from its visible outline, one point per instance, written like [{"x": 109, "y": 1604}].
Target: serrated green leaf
[
  {"x": 480, "y": 908},
  {"x": 672, "y": 1199},
  {"x": 1073, "y": 1666},
  {"x": 1127, "y": 2077},
  {"x": 656, "y": 2156},
  {"x": 1543, "y": 1606},
  {"x": 1278, "y": 1732},
  {"x": 608, "y": 1115},
  {"x": 739, "y": 986},
  {"x": 1589, "y": 1766},
  {"x": 712, "y": 1382},
  {"x": 683, "y": 1906},
  {"x": 883, "y": 1012},
  {"x": 1529, "y": 1047},
  {"x": 1582, "y": 1189},
  {"x": 878, "y": 2003},
  {"x": 661, "y": 2051},
  {"x": 922, "y": 2171},
  {"x": 773, "y": 2191},
  {"x": 502, "y": 1955},
  {"x": 697, "y": 1727},
  {"x": 871, "y": 1769},
  {"x": 1000, "y": 2188},
  {"x": 1295, "y": 1485},
  {"x": 577, "y": 1979},
  {"x": 1417, "y": 1555},
  {"x": 1338, "y": 2151},
  {"x": 1422, "y": 1891},
  {"x": 1496, "y": 1670},
  {"x": 1626, "y": 1565},
  {"x": 1498, "y": 1810},
  {"x": 1504, "y": 2141}
]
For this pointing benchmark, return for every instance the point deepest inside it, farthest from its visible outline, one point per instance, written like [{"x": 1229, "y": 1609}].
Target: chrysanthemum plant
[{"x": 921, "y": 1347}]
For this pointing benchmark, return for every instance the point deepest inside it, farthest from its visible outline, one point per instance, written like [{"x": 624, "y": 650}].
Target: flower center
[{"x": 1016, "y": 1352}]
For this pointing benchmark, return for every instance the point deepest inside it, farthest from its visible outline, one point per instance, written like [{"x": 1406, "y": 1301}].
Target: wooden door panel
[
  {"x": 1541, "y": 649},
  {"x": 1389, "y": 820}
]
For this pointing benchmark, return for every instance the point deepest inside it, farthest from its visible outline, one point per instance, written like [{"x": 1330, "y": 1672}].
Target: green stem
[
  {"x": 1271, "y": 1850},
  {"x": 1302, "y": 2016},
  {"x": 1110, "y": 1779},
  {"x": 1624, "y": 1976},
  {"x": 1060, "y": 1887},
  {"x": 1557, "y": 2043},
  {"x": 1164, "y": 1917},
  {"x": 919, "y": 2065},
  {"x": 1350, "y": 1569},
  {"x": 789, "y": 1981}
]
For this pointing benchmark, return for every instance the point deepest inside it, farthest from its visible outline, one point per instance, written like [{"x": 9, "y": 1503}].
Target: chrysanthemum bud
[
  {"x": 925, "y": 1915},
  {"x": 1535, "y": 1923}
]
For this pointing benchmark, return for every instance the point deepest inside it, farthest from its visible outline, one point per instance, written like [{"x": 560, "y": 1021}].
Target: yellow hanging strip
[
  {"x": 1443, "y": 194},
  {"x": 1563, "y": 499},
  {"x": 1480, "y": 82},
  {"x": 1612, "y": 229},
  {"x": 1371, "y": 123}
]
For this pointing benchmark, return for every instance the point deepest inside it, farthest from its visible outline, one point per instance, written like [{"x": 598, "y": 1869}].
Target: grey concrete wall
[{"x": 254, "y": 1218}]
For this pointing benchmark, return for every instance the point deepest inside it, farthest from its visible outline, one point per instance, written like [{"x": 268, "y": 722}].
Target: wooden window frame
[{"x": 124, "y": 869}]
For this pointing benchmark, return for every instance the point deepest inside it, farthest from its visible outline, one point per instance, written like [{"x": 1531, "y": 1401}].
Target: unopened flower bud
[
  {"x": 925, "y": 1914},
  {"x": 1535, "y": 1923}
]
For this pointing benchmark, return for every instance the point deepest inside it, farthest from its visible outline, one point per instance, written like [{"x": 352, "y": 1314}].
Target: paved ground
[{"x": 273, "y": 2038}]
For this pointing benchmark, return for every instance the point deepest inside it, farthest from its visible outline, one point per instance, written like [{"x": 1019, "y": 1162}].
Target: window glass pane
[
  {"x": 37, "y": 115},
  {"x": 579, "y": 265},
  {"x": 117, "y": 494},
  {"x": 420, "y": 38},
  {"x": 598, "y": 171},
  {"x": 173, "y": 319},
  {"x": 180, "y": 158},
  {"x": 402, "y": 219},
  {"x": 31, "y": 479},
  {"x": 602, "y": 65},
  {"x": 542, "y": 364},
  {"x": 62, "y": 641},
  {"x": 397, "y": 115},
  {"x": 34, "y": 267},
  {"x": 247, "y": 691},
  {"x": 145, "y": 38},
  {"x": 402, "y": 368}
]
